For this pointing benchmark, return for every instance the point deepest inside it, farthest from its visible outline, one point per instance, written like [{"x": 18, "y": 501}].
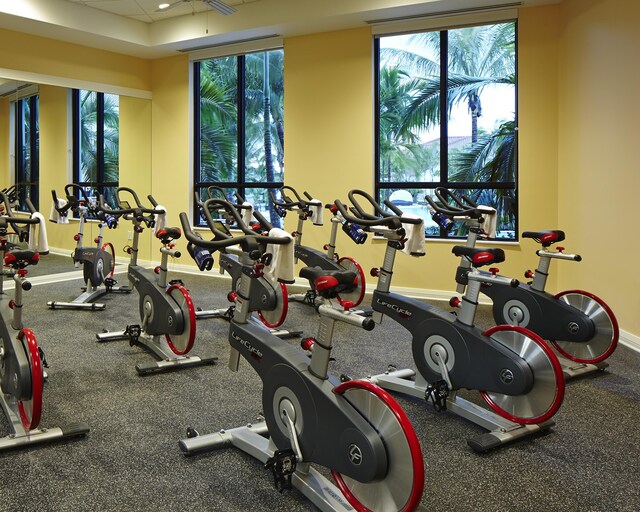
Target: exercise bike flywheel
[
  {"x": 357, "y": 294},
  {"x": 606, "y": 336},
  {"x": 401, "y": 488},
  {"x": 30, "y": 409},
  {"x": 182, "y": 343},
  {"x": 547, "y": 392},
  {"x": 274, "y": 317}
]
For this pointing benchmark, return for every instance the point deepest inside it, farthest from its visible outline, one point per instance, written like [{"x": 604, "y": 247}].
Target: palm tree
[
  {"x": 218, "y": 120},
  {"x": 478, "y": 57},
  {"x": 264, "y": 125},
  {"x": 491, "y": 159},
  {"x": 402, "y": 156},
  {"x": 89, "y": 139}
]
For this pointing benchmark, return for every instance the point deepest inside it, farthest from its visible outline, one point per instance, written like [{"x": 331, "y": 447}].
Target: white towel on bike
[
  {"x": 55, "y": 215},
  {"x": 281, "y": 266},
  {"x": 161, "y": 219},
  {"x": 38, "y": 235},
  {"x": 415, "y": 244},
  {"x": 247, "y": 213},
  {"x": 316, "y": 208},
  {"x": 490, "y": 216}
]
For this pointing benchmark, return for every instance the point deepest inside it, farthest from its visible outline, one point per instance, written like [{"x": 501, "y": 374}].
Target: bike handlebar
[
  {"x": 459, "y": 209},
  {"x": 287, "y": 203},
  {"x": 367, "y": 221},
  {"x": 391, "y": 220},
  {"x": 223, "y": 239}
]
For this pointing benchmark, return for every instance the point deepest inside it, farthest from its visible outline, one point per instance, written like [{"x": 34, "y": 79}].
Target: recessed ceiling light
[{"x": 163, "y": 6}]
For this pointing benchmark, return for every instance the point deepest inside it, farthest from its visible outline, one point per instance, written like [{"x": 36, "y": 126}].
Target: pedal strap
[
  {"x": 282, "y": 466},
  {"x": 134, "y": 332},
  {"x": 437, "y": 393}
]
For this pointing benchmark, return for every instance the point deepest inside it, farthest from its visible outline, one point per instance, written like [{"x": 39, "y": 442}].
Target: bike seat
[
  {"x": 546, "y": 238},
  {"x": 167, "y": 235},
  {"x": 480, "y": 256},
  {"x": 20, "y": 259},
  {"x": 330, "y": 283}
]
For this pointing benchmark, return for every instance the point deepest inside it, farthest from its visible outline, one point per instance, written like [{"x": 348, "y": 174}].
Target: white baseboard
[{"x": 630, "y": 340}]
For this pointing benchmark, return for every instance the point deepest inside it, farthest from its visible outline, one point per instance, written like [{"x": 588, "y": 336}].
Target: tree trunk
[
  {"x": 268, "y": 156},
  {"x": 475, "y": 109}
]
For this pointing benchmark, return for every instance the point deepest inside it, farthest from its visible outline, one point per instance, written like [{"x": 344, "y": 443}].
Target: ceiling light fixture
[
  {"x": 219, "y": 6},
  {"x": 163, "y": 6}
]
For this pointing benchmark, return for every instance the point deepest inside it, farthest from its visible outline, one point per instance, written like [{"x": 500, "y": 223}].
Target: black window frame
[
  {"x": 240, "y": 185},
  {"x": 100, "y": 186},
  {"x": 27, "y": 187},
  {"x": 444, "y": 148}
]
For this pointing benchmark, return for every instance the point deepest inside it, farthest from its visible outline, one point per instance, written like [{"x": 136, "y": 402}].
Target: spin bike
[
  {"x": 270, "y": 298},
  {"x": 11, "y": 199},
  {"x": 22, "y": 362},
  {"x": 311, "y": 257},
  {"x": 353, "y": 428},
  {"x": 514, "y": 370},
  {"x": 167, "y": 326},
  {"x": 99, "y": 261},
  {"x": 579, "y": 325}
]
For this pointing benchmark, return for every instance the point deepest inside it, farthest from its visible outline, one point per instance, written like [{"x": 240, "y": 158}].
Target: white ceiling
[
  {"x": 147, "y": 10},
  {"x": 133, "y": 27}
]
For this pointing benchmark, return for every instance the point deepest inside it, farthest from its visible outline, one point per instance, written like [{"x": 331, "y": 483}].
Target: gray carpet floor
[{"x": 130, "y": 460}]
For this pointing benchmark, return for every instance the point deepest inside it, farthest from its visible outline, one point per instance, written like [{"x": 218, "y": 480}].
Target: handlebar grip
[
  {"x": 130, "y": 191},
  {"x": 19, "y": 220},
  {"x": 393, "y": 207}
]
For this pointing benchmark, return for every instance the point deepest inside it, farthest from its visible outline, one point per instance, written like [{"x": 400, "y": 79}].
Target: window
[
  {"x": 446, "y": 116},
  {"x": 27, "y": 142},
  {"x": 239, "y": 128},
  {"x": 96, "y": 142}
]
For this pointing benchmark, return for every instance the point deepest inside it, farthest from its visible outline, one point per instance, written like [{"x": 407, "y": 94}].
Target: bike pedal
[{"x": 282, "y": 466}]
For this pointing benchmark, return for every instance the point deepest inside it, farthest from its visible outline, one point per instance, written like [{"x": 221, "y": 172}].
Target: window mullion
[
  {"x": 19, "y": 141},
  {"x": 100, "y": 140},
  {"x": 75, "y": 95},
  {"x": 241, "y": 125},
  {"x": 444, "y": 125},
  {"x": 197, "y": 130}
]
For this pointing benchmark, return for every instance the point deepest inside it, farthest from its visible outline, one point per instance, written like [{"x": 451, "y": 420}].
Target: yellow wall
[
  {"x": 334, "y": 152},
  {"x": 62, "y": 62},
  {"x": 48, "y": 57},
  {"x": 54, "y": 166},
  {"x": 576, "y": 139},
  {"x": 598, "y": 173},
  {"x": 171, "y": 177},
  {"x": 135, "y": 163}
]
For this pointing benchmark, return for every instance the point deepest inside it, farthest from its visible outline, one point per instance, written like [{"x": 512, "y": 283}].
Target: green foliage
[
  {"x": 88, "y": 136},
  {"x": 410, "y": 106},
  {"x": 263, "y": 117}
]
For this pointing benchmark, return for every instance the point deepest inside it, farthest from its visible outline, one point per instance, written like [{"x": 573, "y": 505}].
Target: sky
[{"x": 498, "y": 101}]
